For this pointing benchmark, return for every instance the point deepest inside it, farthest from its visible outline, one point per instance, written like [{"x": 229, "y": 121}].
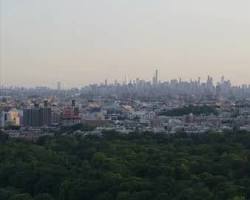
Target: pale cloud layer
[{"x": 85, "y": 41}]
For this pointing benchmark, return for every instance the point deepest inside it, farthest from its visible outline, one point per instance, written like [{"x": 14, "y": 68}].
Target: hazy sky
[{"x": 84, "y": 41}]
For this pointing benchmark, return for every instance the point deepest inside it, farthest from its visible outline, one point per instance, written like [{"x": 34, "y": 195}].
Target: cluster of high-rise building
[
  {"x": 133, "y": 106},
  {"x": 155, "y": 79},
  {"x": 37, "y": 116},
  {"x": 175, "y": 87}
]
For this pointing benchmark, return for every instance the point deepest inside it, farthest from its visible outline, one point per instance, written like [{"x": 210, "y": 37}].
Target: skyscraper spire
[{"x": 156, "y": 77}]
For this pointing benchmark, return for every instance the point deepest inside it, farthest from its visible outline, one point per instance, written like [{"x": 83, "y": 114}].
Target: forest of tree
[{"x": 126, "y": 167}]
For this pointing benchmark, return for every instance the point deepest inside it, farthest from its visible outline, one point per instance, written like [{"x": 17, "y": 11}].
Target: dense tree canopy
[
  {"x": 127, "y": 167},
  {"x": 196, "y": 110}
]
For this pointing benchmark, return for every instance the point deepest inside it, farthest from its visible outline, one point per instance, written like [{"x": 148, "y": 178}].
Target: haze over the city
[{"x": 79, "y": 42}]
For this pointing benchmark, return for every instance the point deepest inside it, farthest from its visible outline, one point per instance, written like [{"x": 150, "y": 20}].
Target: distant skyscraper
[
  {"x": 156, "y": 78},
  {"x": 59, "y": 86},
  {"x": 222, "y": 80}
]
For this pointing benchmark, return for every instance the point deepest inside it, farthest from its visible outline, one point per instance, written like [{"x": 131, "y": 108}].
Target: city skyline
[
  {"x": 125, "y": 99},
  {"x": 82, "y": 42},
  {"x": 154, "y": 80}
]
